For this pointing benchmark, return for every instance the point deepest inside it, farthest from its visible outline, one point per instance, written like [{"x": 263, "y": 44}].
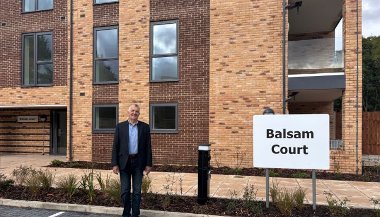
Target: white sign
[
  {"x": 291, "y": 141},
  {"x": 27, "y": 118}
]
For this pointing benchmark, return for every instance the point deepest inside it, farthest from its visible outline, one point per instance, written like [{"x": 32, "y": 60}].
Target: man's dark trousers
[{"x": 134, "y": 171}]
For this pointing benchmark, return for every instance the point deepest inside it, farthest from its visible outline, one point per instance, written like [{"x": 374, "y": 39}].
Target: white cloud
[{"x": 371, "y": 18}]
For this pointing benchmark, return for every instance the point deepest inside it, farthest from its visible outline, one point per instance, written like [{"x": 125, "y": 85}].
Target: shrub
[
  {"x": 250, "y": 200},
  {"x": 56, "y": 163},
  {"x": 336, "y": 208},
  {"x": 33, "y": 183},
  {"x": 299, "y": 197},
  {"x": 87, "y": 184},
  {"x": 69, "y": 184},
  {"x": 4, "y": 182},
  {"x": 376, "y": 206},
  {"x": 21, "y": 174},
  {"x": 46, "y": 178},
  {"x": 286, "y": 200},
  {"x": 301, "y": 175},
  {"x": 146, "y": 184},
  {"x": 103, "y": 184},
  {"x": 113, "y": 190}
]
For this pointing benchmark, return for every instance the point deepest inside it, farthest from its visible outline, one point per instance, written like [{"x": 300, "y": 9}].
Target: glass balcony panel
[{"x": 325, "y": 53}]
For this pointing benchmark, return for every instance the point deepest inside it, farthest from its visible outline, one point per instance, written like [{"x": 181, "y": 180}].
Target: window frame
[
  {"x": 36, "y": 62},
  {"x": 96, "y": 29},
  {"x": 104, "y": 130},
  {"x": 151, "y": 118},
  {"x": 151, "y": 55},
  {"x": 36, "y": 6},
  {"x": 114, "y": 1}
]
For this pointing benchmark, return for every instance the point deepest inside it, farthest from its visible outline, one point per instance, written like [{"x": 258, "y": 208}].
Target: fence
[{"x": 371, "y": 133}]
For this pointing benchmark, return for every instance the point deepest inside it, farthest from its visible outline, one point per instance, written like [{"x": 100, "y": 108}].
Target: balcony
[
  {"x": 315, "y": 51},
  {"x": 315, "y": 56}
]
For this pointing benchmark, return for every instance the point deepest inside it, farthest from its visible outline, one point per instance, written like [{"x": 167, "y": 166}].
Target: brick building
[{"x": 200, "y": 69}]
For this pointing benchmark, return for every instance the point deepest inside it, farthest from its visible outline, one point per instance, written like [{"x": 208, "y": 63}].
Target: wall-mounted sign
[
  {"x": 27, "y": 119},
  {"x": 291, "y": 141}
]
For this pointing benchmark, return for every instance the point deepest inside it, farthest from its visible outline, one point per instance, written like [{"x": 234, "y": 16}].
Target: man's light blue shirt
[{"x": 133, "y": 138}]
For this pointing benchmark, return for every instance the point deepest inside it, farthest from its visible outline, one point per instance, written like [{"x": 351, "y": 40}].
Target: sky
[{"x": 371, "y": 18}]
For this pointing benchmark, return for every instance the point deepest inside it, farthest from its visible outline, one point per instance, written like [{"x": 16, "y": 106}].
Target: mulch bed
[
  {"x": 214, "y": 206},
  {"x": 370, "y": 174}
]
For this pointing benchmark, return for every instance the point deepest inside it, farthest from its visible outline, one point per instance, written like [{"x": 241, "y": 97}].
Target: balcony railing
[
  {"x": 336, "y": 144},
  {"x": 323, "y": 53}
]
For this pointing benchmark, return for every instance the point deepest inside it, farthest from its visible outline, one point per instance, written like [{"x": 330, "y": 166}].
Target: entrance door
[{"x": 59, "y": 134}]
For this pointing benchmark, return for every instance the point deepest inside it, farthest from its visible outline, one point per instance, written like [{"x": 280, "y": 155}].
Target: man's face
[{"x": 133, "y": 113}]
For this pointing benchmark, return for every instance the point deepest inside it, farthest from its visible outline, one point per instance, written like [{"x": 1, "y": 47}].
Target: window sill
[
  {"x": 164, "y": 131},
  {"x": 36, "y": 11},
  {"x": 105, "y": 131}
]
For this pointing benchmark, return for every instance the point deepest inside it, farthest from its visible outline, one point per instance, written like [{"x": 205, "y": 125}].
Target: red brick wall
[
  {"x": 191, "y": 92},
  {"x": 104, "y": 15},
  {"x": 14, "y": 23}
]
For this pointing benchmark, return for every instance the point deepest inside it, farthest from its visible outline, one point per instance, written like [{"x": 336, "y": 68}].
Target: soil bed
[{"x": 214, "y": 206}]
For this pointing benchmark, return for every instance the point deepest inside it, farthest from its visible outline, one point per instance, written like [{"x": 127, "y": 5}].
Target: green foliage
[
  {"x": 46, "y": 178},
  {"x": 376, "y": 206},
  {"x": 113, "y": 190},
  {"x": 250, "y": 202},
  {"x": 33, "y": 183},
  {"x": 146, "y": 184},
  {"x": 336, "y": 208},
  {"x": 371, "y": 73},
  {"x": 56, "y": 163},
  {"x": 286, "y": 200},
  {"x": 299, "y": 197},
  {"x": 103, "y": 184},
  {"x": 21, "y": 174},
  {"x": 301, "y": 175},
  {"x": 4, "y": 182},
  {"x": 273, "y": 173},
  {"x": 87, "y": 184},
  {"x": 69, "y": 184}
]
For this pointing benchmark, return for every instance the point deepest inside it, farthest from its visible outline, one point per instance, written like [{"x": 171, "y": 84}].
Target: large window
[
  {"x": 37, "y": 59},
  {"x": 164, "y": 117},
  {"x": 104, "y": 1},
  {"x": 36, "y": 5},
  {"x": 105, "y": 117},
  {"x": 164, "y": 51},
  {"x": 106, "y": 62}
]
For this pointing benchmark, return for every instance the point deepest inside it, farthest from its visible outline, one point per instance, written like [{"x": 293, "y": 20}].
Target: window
[
  {"x": 105, "y": 117},
  {"x": 37, "y": 59},
  {"x": 104, "y": 1},
  {"x": 164, "y": 51},
  {"x": 106, "y": 63},
  {"x": 164, "y": 118},
  {"x": 36, "y": 5}
]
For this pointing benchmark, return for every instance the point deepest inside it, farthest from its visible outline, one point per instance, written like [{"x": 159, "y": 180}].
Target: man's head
[{"x": 133, "y": 113}]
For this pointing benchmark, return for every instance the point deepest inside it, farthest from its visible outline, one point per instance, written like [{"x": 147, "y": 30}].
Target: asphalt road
[{"x": 7, "y": 211}]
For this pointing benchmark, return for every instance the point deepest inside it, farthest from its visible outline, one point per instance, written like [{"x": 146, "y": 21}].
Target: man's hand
[
  {"x": 115, "y": 169},
  {"x": 147, "y": 170}
]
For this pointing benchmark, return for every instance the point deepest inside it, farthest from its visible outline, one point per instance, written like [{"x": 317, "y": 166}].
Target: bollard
[{"x": 204, "y": 173}]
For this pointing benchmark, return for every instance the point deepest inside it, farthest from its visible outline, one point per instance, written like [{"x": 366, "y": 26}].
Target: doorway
[{"x": 59, "y": 132}]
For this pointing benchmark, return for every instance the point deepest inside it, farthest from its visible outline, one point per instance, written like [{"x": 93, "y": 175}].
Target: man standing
[{"x": 131, "y": 156}]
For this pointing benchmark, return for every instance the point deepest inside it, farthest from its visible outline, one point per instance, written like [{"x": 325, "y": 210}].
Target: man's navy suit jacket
[{"x": 120, "y": 148}]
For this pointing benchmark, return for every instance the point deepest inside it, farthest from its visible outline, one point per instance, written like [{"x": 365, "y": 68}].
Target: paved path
[{"x": 223, "y": 186}]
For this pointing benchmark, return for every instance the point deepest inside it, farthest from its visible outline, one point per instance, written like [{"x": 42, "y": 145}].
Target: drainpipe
[
  {"x": 71, "y": 81},
  {"x": 283, "y": 56},
  {"x": 357, "y": 87}
]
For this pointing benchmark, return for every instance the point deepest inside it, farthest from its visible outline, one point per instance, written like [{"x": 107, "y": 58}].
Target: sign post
[{"x": 291, "y": 142}]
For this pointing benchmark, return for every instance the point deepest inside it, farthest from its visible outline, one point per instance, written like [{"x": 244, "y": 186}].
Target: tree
[{"x": 371, "y": 73}]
